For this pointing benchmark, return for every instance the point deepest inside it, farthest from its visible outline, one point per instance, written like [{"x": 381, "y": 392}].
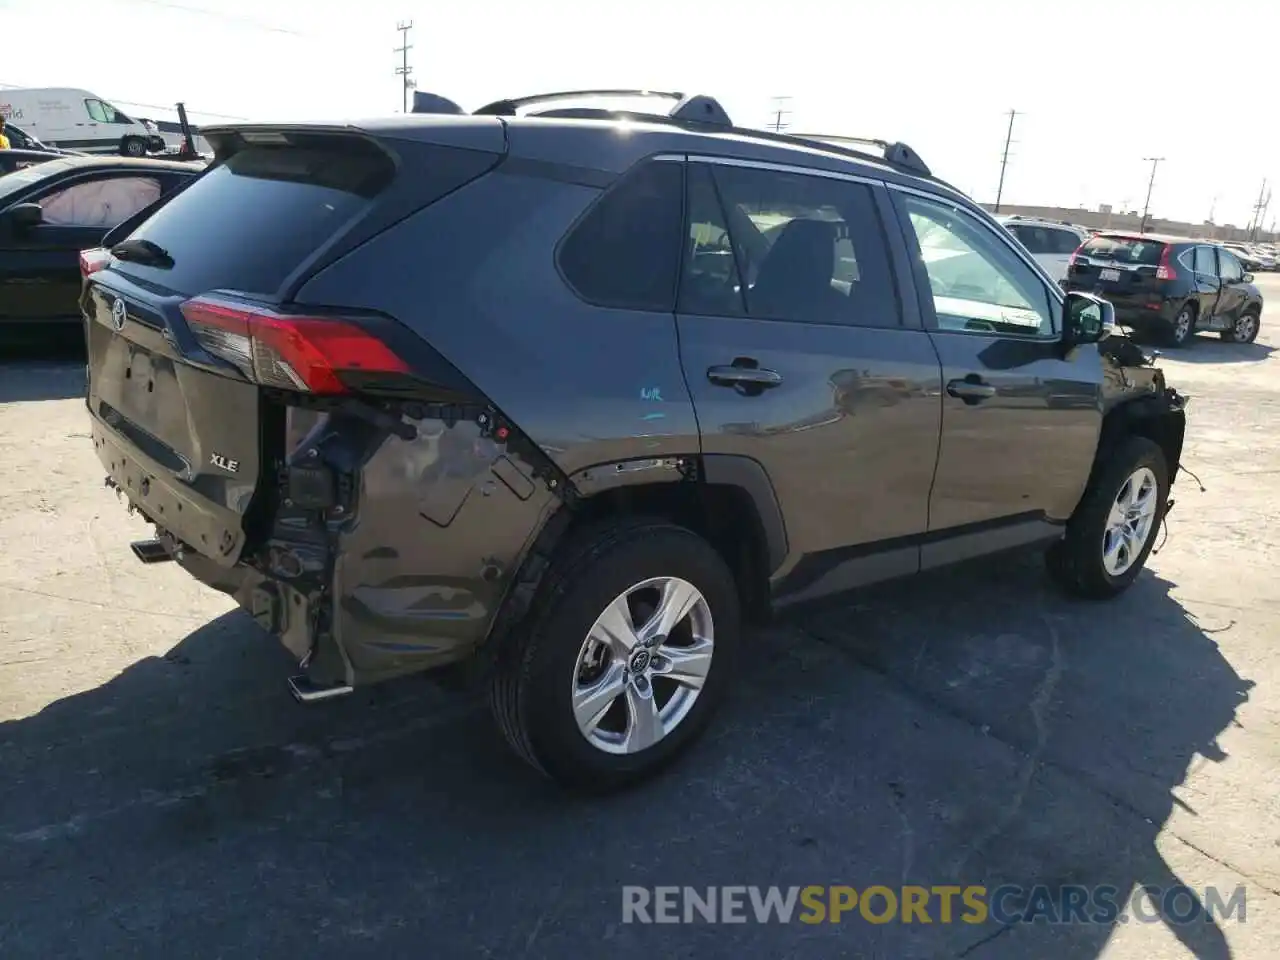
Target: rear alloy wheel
[
  {"x": 1183, "y": 327},
  {"x": 628, "y": 651},
  {"x": 1245, "y": 329},
  {"x": 642, "y": 665},
  {"x": 1111, "y": 534}
]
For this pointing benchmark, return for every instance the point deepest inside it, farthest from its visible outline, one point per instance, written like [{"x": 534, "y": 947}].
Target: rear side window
[
  {"x": 248, "y": 223},
  {"x": 1134, "y": 250},
  {"x": 99, "y": 202},
  {"x": 625, "y": 252}
]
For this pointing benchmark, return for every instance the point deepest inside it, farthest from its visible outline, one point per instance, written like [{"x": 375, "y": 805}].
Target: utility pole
[
  {"x": 1212, "y": 207},
  {"x": 1004, "y": 159},
  {"x": 1146, "y": 207},
  {"x": 1262, "y": 215},
  {"x": 780, "y": 113},
  {"x": 1257, "y": 209},
  {"x": 404, "y": 70}
]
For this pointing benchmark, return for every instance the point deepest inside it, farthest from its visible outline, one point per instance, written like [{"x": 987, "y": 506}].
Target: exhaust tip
[
  {"x": 151, "y": 551},
  {"x": 306, "y": 690}
]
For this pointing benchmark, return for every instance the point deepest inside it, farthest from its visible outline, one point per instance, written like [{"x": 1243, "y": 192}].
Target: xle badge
[{"x": 223, "y": 463}]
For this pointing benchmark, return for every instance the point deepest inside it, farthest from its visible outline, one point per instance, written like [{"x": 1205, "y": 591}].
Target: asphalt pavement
[{"x": 161, "y": 794}]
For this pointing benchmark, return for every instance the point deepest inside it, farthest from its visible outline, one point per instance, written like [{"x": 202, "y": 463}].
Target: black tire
[
  {"x": 1075, "y": 562},
  {"x": 133, "y": 147},
  {"x": 531, "y": 689},
  {"x": 1250, "y": 331},
  {"x": 1176, "y": 335}
]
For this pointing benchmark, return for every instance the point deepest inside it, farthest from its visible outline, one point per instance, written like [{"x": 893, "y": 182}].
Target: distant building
[{"x": 1104, "y": 218}]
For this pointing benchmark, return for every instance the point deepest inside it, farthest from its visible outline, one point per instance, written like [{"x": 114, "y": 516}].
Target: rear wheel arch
[{"x": 725, "y": 498}]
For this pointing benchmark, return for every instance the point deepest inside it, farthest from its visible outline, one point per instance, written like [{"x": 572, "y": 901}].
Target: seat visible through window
[{"x": 796, "y": 274}]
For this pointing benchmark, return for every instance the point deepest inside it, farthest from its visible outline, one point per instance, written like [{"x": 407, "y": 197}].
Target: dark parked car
[
  {"x": 1170, "y": 286},
  {"x": 51, "y": 211},
  {"x": 11, "y": 160},
  {"x": 19, "y": 139},
  {"x": 570, "y": 401}
]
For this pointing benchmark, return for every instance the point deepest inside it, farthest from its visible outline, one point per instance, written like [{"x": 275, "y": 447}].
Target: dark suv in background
[
  {"x": 570, "y": 399},
  {"x": 1169, "y": 286}
]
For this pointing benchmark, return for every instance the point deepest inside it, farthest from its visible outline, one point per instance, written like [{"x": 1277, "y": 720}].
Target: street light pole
[{"x": 1155, "y": 162}]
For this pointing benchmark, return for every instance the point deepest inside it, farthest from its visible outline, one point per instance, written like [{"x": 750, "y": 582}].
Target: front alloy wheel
[
  {"x": 1130, "y": 522},
  {"x": 1245, "y": 329}
]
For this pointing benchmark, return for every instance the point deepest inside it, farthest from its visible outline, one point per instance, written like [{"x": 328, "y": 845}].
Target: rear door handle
[
  {"x": 971, "y": 390},
  {"x": 757, "y": 378}
]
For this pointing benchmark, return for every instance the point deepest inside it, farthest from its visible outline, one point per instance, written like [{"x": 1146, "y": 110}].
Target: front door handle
[
  {"x": 971, "y": 389},
  {"x": 739, "y": 374}
]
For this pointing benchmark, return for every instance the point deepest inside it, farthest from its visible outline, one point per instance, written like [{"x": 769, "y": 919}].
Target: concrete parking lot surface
[{"x": 161, "y": 795}]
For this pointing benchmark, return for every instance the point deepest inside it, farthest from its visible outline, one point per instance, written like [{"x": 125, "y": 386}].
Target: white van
[{"x": 78, "y": 120}]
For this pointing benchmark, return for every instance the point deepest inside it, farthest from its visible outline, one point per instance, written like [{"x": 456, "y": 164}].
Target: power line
[
  {"x": 134, "y": 103},
  {"x": 219, "y": 15},
  {"x": 404, "y": 70},
  {"x": 1004, "y": 160}
]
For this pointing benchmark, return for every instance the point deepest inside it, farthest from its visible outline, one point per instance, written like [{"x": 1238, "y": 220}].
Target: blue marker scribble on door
[{"x": 651, "y": 393}]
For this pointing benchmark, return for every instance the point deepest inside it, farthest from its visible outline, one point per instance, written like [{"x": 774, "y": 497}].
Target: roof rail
[
  {"x": 696, "y": 108},
  {"x": 895, "y": 154}
]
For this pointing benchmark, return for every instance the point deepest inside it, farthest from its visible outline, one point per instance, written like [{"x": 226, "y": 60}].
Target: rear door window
[
  {"x": 786, "y": 246},
  {"x": 1036, "y": 239},
  {"x": 1138, "y": 251},
  {"x": 1065, "y": 241},
  {"x": 625, "y": 252},
  {"x": 1205, "y": 263},
  {"x": 248, "y": 223}
]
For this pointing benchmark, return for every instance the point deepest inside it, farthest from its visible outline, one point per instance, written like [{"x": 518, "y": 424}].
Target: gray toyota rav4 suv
[{"x": 574, "y": 395}]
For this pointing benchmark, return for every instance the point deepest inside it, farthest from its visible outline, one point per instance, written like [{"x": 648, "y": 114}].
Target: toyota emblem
[{"x": 118, "y": 314}]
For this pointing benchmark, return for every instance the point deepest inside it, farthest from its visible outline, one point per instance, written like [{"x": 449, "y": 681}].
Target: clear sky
[{"x": 1098, "y": 85}]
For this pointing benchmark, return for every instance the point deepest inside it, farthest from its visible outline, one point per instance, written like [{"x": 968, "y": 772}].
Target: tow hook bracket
[{"x": 306, "y": 690}]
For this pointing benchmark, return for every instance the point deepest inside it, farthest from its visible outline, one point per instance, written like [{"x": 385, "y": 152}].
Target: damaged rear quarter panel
[{"x": 440, "y": 526}]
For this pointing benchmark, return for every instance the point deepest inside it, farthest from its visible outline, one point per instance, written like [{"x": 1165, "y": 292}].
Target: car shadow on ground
[
  {"x": 1209, "y": 348},
  {"x": 50, "y": 368},
  {"x": 969, "y": 728}
]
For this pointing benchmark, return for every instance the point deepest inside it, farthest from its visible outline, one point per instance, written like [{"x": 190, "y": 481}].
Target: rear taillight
[
  {"x": 303, "y": 353},
  {"x": 1071, "y": 264},
  {"x": 1166, "y": 269},
  {"x": 93, "y": 260}
]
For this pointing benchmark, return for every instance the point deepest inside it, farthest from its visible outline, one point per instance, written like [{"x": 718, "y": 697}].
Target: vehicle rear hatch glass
[
  {"x": 1119, "y": 266},
  {"x": 184, "y": 433}
]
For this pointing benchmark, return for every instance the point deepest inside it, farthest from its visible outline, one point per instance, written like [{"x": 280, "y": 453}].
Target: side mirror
[
  {"x": 1086, "y": 319},
  {"x": 1247, "y": 278},
  {"x": 24, "y": 216}
]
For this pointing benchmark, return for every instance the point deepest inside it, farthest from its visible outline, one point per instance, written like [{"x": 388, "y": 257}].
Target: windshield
[
  {"x": 17, "y": 182},
  {"x": 1136, "y": 250}
]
